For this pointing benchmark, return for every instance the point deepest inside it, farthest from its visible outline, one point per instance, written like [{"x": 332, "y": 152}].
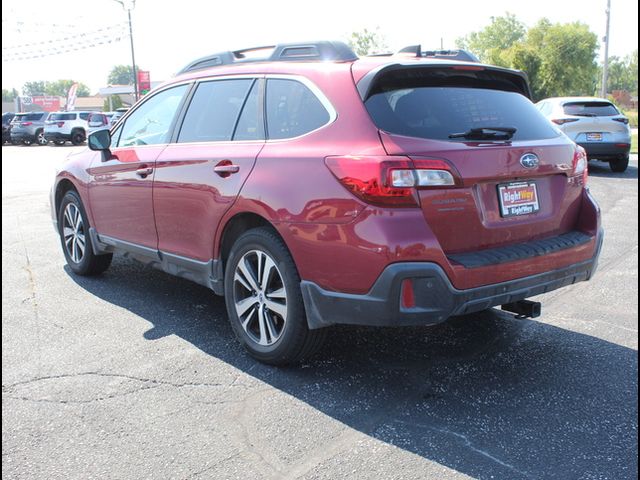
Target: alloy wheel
[
  {"x": 260, "y": 297},
  {"x": 73, "y": 233}
]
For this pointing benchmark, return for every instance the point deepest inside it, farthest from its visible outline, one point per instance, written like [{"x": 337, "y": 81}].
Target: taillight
[
  {"x": 390, "y": 181},
  {"x": 562, "y": 121},
  {"x": 60, "y": 124},
  {"x": 622, "y": 120},
  {"x": 581, "y": 164},
  {"x": 26, "y": 124}
]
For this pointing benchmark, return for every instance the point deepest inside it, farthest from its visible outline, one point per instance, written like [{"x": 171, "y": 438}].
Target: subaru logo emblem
[{"x": 529, "y": 160}]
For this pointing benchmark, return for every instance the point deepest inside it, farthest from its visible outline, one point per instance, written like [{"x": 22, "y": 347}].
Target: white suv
[
  {"x": 67, "y": 126},
  {"x": 593, "y": 123}
]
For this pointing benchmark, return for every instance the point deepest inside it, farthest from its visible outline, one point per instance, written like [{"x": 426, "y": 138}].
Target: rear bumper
[
  {"x": 53, "y": 136},
  {"x": 23, "y": 136},
  {"x": 436, "y": 299},
  {"x": 606, "y": 151}
]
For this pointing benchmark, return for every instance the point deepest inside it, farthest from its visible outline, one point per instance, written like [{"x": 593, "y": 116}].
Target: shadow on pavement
[
  {"x": 601, "y": 169},
  {"x": 486, "y": 395}
]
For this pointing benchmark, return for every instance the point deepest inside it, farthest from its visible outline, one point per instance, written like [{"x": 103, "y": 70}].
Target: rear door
[
  {"x": 200, "y": 175},
  {"x": 120, "y": 187},
  {"x": 418, "y": 111}
]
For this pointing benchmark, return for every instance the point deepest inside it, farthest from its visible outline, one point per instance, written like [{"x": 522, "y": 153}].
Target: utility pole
[
  {"x": 129, "y": 5},
  {"x": 605, "y": 68}
]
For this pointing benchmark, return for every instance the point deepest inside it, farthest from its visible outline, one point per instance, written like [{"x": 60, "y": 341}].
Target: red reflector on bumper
[{"x": 407, "y": 297}]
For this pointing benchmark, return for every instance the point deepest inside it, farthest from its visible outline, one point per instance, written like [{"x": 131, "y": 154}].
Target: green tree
[
  {"x": 121, "y": 75},
  {"x": 623, "y": 74},
  {"x": 491, "y": 43},
  {"x": 567, "y": 59},
  {"x": 367, "y": 42},
  {"x": 61, "y": 88},
  {"x": 58, "y": 88},
  {"x": 560, "y": 59},
  {"x": 116, "y": 102},
  {"x": 34, "y": 88},
  {"x": 9, "y": 95}
]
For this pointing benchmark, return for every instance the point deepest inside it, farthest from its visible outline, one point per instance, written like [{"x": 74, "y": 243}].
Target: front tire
[
  {"x": 73, "y": 226},
  {"x": 620, "y": 164},
  {"x": 40, "y": 140},
  {"x": 264, "y": 301}
]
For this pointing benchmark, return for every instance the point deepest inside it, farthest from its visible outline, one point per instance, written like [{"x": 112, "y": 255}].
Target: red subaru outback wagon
[{"x": 311, "y": 187}]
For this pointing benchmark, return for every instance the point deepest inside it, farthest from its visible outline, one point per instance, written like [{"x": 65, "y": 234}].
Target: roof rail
[
  {"x": 283, "y": 52},
  {"x": 460, "y": 55}
]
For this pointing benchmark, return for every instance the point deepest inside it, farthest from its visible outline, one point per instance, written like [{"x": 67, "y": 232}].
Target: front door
[{"x": 121, "y": 184}]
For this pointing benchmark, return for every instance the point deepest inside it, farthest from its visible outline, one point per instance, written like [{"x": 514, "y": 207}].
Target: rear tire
[
  {"x": 73, "y": 227},
  {"x": 620, "y": 164},
  {"x": 264, "y": 300},
  {"x": 59, "y": 142},
  {"x": 77, "y": 137},
  {"x": 40, "y": 140}
]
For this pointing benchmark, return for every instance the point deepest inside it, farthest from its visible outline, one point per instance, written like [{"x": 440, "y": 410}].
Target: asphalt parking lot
[{"x": 136, "y": 374}]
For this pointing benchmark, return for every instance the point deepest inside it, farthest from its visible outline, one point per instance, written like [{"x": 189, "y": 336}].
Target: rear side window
[
  {"x": 590, "y": 109},
  {"x": 434, "y": 105},
  {"x": 292, "y": 109},
  {"x": 214, "y": 110},
  {"x": 34, "y": 117}
]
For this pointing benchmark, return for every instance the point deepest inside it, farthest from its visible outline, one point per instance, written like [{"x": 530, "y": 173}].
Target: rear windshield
[
  {"x": 62, "y": 116},
  {"x": 435, "y": 106},
  {"x": 591, "y": 109},
  {"x": 29, "y": 117}
]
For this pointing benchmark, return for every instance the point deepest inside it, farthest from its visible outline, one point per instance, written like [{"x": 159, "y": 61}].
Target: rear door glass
[
  {"x": 214, "y": 110},
  {"x": 434, "y": 105},
  {"x": 292, "y": 109},
  {"x": 591, "y": 109}
]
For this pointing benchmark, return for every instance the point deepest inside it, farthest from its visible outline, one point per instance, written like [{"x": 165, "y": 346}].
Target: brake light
[
  {"x": 622, "y": 120},
  {"x": 26, "y": 124},
  {"x": 581, "y": 164},
  {"x": 562, "y": 121},
  {"x": 390, "y": 181},
  {"x": 60, "y": 124}
]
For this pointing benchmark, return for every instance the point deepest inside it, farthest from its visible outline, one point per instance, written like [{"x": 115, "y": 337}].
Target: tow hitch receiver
[{"x": 524, "y": 308}]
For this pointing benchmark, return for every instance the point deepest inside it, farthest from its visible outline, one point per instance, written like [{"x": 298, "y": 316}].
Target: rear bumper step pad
[{"x": 520, "y": 251}]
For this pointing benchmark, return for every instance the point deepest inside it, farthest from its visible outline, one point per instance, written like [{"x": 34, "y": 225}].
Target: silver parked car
[
  {"x": 593, "y": 123},
  {"x": 28, "y": 128}
]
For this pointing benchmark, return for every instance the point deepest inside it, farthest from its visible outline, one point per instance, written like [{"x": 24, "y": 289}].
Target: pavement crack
[{"x": 467, "y": 443}]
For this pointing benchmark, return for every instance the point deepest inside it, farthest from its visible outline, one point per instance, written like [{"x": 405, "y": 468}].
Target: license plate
[
  {"x": 518, "y": 199},
  {"x": 594, "y": 137}
]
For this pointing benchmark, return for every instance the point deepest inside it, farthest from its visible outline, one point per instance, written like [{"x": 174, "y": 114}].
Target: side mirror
[{"x": 100, "y": 140}]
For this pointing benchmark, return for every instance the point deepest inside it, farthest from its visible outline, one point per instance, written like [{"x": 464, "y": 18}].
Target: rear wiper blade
[{"x": 487, "y": 133}]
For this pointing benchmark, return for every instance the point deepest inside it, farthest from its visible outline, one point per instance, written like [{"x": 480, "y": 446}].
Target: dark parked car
[
  {"x": 6, "y": 126},
  {"x": 28, "y": 128},
  {"x": 313, "y": 188}
]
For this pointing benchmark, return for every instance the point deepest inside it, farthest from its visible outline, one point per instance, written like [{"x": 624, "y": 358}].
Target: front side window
[
  {"x": 214, "y": 110},
  {"x": 150, "y": 123},
  {"x": 292, "y": 109}
]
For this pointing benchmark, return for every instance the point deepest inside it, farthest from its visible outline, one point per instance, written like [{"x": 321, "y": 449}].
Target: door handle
[
  {"x": 144, "y": 172},
  {"x": 226, "y": 168}
]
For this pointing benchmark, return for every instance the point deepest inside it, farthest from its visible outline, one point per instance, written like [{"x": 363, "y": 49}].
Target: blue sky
[{"x": 169, "y": 34}]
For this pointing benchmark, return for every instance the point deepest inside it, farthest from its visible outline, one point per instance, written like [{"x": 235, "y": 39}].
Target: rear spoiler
[{"x": 518, "y": 78}]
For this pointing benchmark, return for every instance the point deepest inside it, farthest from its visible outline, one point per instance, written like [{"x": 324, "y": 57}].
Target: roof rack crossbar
[
  {"x": 284, "y": 52},
  {"x": 458, "y": 54}
]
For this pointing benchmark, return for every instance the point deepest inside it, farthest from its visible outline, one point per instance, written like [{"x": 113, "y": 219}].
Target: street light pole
[
  {"x": 605, "y": 67},
  {"x": 130, "y": 5}
]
